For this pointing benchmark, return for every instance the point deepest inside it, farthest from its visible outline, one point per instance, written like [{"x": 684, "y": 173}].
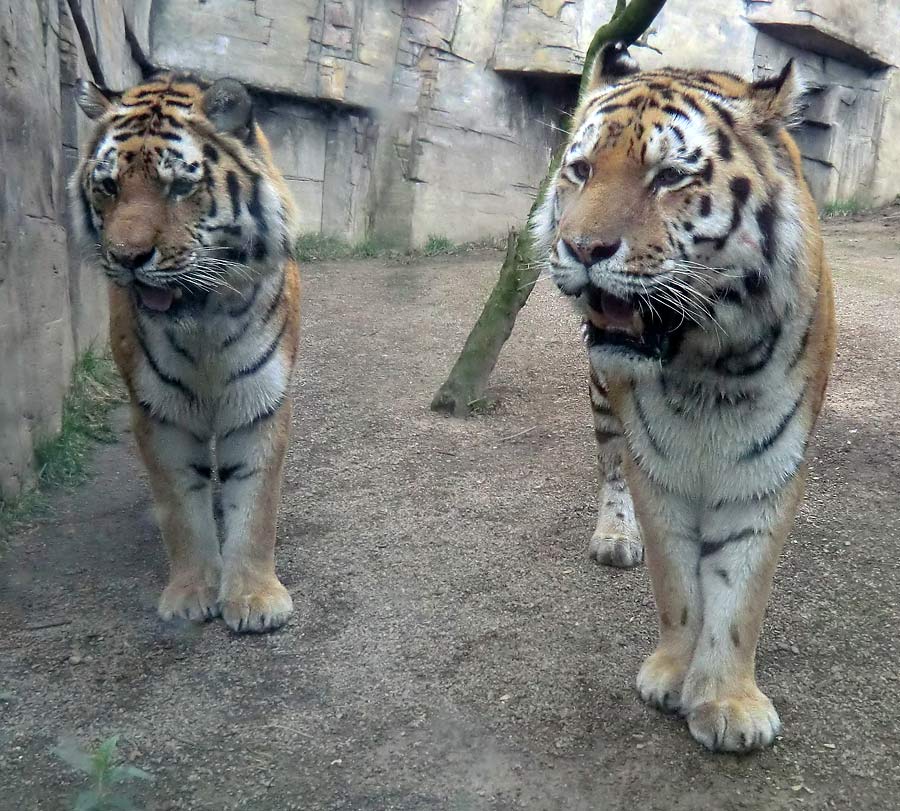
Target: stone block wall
[
  {"x": 51, "y": 307},
  {"x": 35, "y": 330},
  {"x": 464, "y": 147},
  {"x": 452, "y": 103}
]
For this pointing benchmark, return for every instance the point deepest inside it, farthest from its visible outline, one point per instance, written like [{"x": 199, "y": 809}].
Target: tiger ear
[
  {"x": 611, "y": 64},
  {"x": 94, "y": 100},
  {"x": 776, "y": 101},
  {"x": 228, "y": 105}
]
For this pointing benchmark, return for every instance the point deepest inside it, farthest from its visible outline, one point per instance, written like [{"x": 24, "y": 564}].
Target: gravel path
[{"x": 453, "y": 648}]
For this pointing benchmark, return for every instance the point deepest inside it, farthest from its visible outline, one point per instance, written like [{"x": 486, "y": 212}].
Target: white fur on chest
[
  {"x": 711, "y": 437},
  {"x": 216, "y": 372}
]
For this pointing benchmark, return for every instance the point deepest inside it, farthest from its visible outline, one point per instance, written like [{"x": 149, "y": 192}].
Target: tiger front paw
[
  {"x": 660, "y": 679},
  {"x": 741, "y": 722},
  {"x": 610, "y": 548},
  {"x": 191, "y": 595},
  {"x": 255, "y": 604}
]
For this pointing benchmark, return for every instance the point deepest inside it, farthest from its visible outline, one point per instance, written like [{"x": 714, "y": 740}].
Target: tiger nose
[
  {"x": 131, "y": 260},
  {"x": 589, "y": 253}
]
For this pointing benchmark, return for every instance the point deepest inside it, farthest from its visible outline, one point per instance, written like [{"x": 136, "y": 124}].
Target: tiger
[
  {"x": 679, "y": 223},
  {"x": 177, "y": 198}
]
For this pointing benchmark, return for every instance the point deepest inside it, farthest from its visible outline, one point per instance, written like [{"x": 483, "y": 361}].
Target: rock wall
[
  {"x": 405, "y": 119},
  {"x": 462, "y": 147},
  {"x": 51, "y": 308},
  {"x": 35, "y": 328}
]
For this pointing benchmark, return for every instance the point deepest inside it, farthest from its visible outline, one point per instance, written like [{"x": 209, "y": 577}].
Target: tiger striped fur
[
  {"x": 681, "y": 226},
  {"x": 178, "y": 200}
]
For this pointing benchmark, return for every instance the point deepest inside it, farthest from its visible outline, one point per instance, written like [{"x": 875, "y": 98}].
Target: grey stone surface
[
  {"x": 841, "y": 129},
  {"x": 860, "y": 33},
  {"x": 455, "y": 142},
  {"x": 548, "y": 36},
  {"x": 52, "y": 307},
  {"x": 34, "y": 319},
  {"x": 886, "y": 174},
  {"x": 466, "y": 156},
  {"x": 340, "y": 50}
]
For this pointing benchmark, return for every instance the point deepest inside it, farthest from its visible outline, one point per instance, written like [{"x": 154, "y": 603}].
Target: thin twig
[
  {"x": 45, "y": 625},
  {"x": 517, "y": 434}
]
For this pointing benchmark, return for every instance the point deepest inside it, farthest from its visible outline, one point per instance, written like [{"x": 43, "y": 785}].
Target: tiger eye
[
  {"x": 669, "y": 176},
  {"x": 581, "y": 170},
  {"x": 108, "y": 186},
  {"x": 181, "y": 187}
]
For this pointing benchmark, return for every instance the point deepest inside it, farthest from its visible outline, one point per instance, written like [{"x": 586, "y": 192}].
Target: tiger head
[
  {"x": 677, "y": 190},
  {"x": 176, "y": 195}
]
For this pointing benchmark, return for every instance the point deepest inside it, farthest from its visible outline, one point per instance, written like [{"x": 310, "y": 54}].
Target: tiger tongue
[
  {"x": 155, "y": 298},
  {"x": 617, "y": 312},
  {"x": 613, "y": 313}
]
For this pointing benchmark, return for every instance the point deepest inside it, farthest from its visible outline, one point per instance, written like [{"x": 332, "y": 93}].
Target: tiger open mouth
[
  {"x": 158, "y": 299},
  {"x": 633, "y": 324},
  {"x": 172, "y": 301}
]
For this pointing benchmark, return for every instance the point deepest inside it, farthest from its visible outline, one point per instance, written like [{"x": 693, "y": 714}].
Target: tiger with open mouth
[
  {"x": 177, "y": 198},
  {"x": 680, "y": 225}
]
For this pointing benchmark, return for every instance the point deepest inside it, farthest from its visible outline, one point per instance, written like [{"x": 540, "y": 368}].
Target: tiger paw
[
  {"x": 659, "y": 681},
  {"x": 255, "y": 605},
  {"x": 614, "y": 549},
  {"x": 735, "y": 723},
  {"x": 191, "y": 595}
]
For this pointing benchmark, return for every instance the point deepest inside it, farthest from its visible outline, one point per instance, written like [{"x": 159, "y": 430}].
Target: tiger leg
[
  {"x": 616, "y": 540},
  {"x": 725, "y": 709},
  {"x": 250, "y": 462},
  {"x": 671, "y": 552},
  {"x": 178, "y": 465}
]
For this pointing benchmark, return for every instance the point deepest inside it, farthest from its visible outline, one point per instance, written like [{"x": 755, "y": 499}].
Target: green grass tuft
[
  {"x": 63, "y": 460},
  {"x": 437, "y": 244},
  {"x": 843, "y": 208},
  {"x": 323, "y": 248},
  {"x": 105, "y": 777}
]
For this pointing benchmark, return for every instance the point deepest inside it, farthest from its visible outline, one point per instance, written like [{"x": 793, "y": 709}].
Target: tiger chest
[
  {"x": 206, "y": 380},
  {"x": 705, "y": 442}
]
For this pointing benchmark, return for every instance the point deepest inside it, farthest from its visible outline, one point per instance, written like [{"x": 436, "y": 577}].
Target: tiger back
[
  {"x": 680, "y": 225},
  {"x": 178, "y": 200}
]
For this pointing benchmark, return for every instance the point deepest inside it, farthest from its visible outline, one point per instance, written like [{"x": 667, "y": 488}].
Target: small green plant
[
  {"x": 843, "y": 208},
  {"x": 63, "y": 459},
  {"x": 105, "y": 791},
  {"x": 437, "y": 244}
]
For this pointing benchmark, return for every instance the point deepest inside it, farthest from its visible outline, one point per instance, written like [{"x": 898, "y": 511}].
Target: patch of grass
[
  {"x": 843, "y": 208},
  {"x": 373, "y": 247},
  {"x": 63, "y": 459},
  {"x": 437, "y": 244},
  {"x": 322, "y": 248},
  {"x": 105, "y": 777}
]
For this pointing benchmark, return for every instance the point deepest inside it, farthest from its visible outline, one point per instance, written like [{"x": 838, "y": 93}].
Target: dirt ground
[{"x": 453, "y": 647}]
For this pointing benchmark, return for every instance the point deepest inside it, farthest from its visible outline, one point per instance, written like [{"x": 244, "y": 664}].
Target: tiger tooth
[{"x": 178, "y": 293}]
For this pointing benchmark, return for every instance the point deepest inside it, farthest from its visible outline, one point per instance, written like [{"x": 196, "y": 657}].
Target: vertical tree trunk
[{"x": 470, "y": 374}]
